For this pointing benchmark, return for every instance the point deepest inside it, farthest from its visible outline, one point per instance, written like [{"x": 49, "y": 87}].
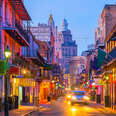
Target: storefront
[
  {"x": 110, "y": 82},
  {"x": 27, "y": 89},
  {"x": 44, "y": 91},
  {"x": 22, "y": 88}
]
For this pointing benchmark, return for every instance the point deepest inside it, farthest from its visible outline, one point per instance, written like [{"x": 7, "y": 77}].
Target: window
[
  {"x": 6, "y": 11},
  {"x": 69, "y": 52},
  {"x": 73, "y": 52},
  {"x": 65, "y": 51}
]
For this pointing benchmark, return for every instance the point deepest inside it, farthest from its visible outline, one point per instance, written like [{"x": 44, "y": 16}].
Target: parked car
[{"x": 79, "y": 97}]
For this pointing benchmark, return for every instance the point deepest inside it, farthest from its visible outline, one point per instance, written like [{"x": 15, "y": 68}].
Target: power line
[{"x": 83, "y": 38}]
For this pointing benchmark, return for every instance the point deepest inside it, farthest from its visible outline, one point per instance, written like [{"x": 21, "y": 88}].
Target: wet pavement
[{"x": 62, "y": 108}]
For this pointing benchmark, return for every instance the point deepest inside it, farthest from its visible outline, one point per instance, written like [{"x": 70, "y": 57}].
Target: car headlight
[
  {"x": 73, "y": 98},
  {"x": 68, "y": 96},
  {"x": 73, "y": 109},
  {"x": 86, "y": 98}
]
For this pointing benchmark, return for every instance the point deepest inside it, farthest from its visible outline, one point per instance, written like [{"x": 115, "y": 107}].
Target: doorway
[{"x": 20, "y": 95}]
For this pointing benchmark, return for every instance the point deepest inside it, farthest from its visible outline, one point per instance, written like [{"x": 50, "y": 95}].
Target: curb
[
  {"x": 30, "y": 113},
  {"x": 105, "y": 108}
]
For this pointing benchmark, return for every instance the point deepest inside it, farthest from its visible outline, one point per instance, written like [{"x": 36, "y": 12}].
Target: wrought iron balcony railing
[
  {"x": 22, "y": 31},
  {"x": 18, "y": 27}
]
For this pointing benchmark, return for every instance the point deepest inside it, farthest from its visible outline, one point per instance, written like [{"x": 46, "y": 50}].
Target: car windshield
[{"x": 79, "y": 93}]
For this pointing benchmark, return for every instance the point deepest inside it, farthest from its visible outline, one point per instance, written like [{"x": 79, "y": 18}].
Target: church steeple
[
  {"x": 51, "y": 22},
  {"x": 51, "y": 17}
]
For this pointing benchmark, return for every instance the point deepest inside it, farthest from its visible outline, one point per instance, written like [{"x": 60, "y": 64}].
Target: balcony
[
  {"x": 16, "y": 30},
  {"x": 18, "y": 6}
]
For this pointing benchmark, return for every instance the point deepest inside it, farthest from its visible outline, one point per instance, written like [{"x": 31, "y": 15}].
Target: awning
[
  {"x": 47, "y": 66},
  {"x": 37, "y": 62},
  {"x": 111, "y": 57},
  {"x": 101, "y": 57},
  {"x": 19, "y": 7}
]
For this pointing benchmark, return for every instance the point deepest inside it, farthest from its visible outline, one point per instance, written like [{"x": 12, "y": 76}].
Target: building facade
[
  {"x": 108, "y": 17},
  {"x": 106, "y": 22},
  {"x": 98, "y": 34},
  {"x": 77, "y": 65},
  {"x": 43, "y": 31},
  {"x": 104, "y": 76},
  {"x": 66, "y": 47},
  {"x": 14, "y": 36}
]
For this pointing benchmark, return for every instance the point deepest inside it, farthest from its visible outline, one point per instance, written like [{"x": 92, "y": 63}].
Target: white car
[{"x": 79, "y": 97}]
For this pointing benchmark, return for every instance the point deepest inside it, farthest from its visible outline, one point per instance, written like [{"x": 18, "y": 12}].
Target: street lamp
[{"x": 7, "y": 54}]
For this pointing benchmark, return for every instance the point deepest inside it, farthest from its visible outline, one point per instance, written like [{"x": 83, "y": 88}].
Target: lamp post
[{"x": 7, "y": 54}]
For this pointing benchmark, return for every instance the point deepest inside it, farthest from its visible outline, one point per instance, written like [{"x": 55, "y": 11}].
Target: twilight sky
[{"x": 82, "y": 16}]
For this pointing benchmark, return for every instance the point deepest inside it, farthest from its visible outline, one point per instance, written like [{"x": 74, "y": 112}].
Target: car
[{"x": 79, "y": 97}]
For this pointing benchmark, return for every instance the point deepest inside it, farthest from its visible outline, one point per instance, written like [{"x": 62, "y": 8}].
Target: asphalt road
[{"x": 61, "y": 108}]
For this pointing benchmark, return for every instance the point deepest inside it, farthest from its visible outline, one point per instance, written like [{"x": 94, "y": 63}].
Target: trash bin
[
  {"x": 107, "y": 101},
  {"x": 98, "y": 99},
  {"x": 16, "y": 102},
  {"x": 92, "y": 97},
  {"x": 13, "y": 102}
]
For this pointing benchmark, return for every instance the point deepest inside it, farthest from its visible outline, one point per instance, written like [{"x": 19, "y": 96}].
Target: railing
[
  {"x": 16, "y": 25},
  {"x": 22, "y": 31}
]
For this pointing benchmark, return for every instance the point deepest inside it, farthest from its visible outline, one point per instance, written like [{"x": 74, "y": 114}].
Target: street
[
  {"x": 61, "y": 108},
  {"x": 57, "y": 58}
]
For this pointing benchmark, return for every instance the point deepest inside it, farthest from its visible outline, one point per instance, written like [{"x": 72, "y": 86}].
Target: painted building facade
[{"x": 13, "y": 36}]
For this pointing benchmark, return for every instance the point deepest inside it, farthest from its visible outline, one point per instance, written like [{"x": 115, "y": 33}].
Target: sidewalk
[
  {"x": 103, "y": 107},
  {"x": 22, "y": 111}
]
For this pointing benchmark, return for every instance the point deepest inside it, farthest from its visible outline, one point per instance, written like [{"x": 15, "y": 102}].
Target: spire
[
  {"x": 64, "y": 25},
  {"x": 51, "y": 17},
  {"x": 51, "y": 22}
]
